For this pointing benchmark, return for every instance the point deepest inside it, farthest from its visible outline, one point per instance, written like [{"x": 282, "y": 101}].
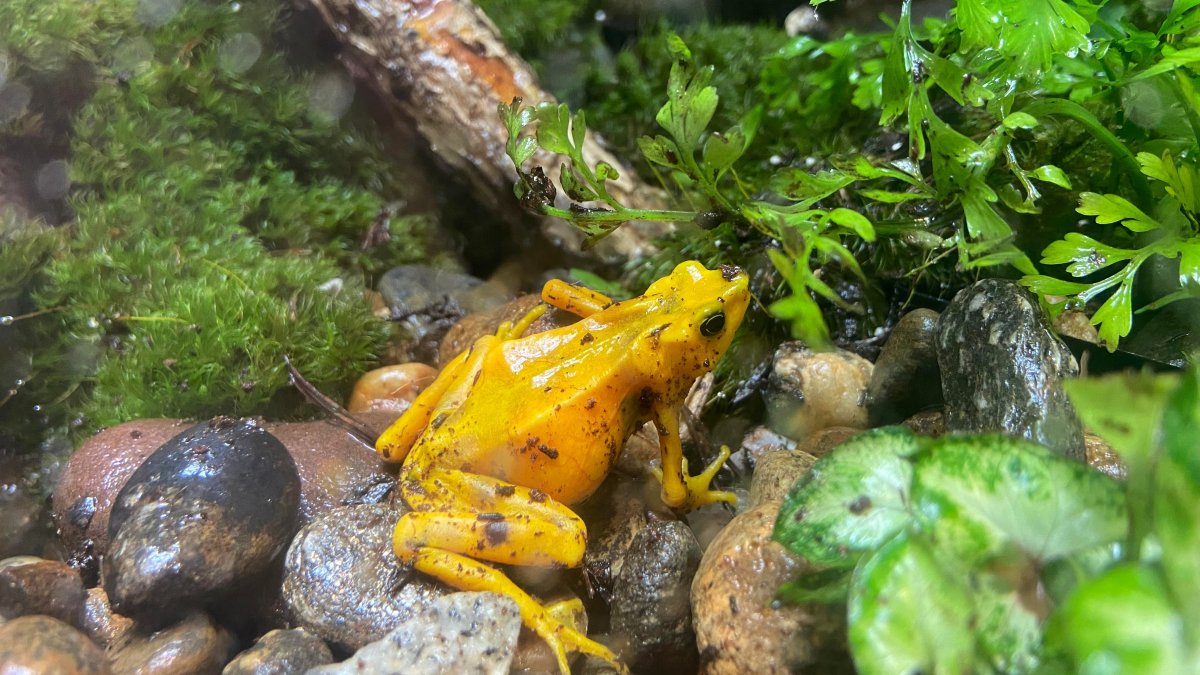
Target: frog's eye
[{"x": 713, "y": 325}]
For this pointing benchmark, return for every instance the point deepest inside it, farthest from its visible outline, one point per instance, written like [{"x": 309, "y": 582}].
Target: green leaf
[
  {"x": 852, "y": 501},
  {"x": 1035, "y": 31},
  {"x": 825, "y": 586},
  {"x": 1115, "y": 316},
  {"x": 1114, "y": 208},
  {"x": 553, "y": 132},
  {"x": 1083, "y": 255},
  {"x": 722, "y": 150},
  {"x": 659, "y": 150},
  {"x": 979, "y": 23},
  {"x": 1044, "y": 285},
  {"x": 1007, "y": 621},
  {"x": 1052, "y": 174},
  {"x": 977, "y": 495},
  {"x": 907, "y": 614},
  {"x": 1123, "y": 622},
  {"x": 572, "y": 185},
  {"x": 1020, "y": 120},
  {"x": 1189, "y": 262},
  {"x": 982, "y": 220},
  {"x": 855, "y": 222}
]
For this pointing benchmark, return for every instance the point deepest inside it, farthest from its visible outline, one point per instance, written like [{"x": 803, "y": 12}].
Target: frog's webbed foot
[
  {"x": 679, "y": 490},
  {"x": 461, "y": 518},
  {"x": 699, "y": 487}
]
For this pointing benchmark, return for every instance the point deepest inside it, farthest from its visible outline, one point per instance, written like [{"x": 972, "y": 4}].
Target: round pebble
[
  {"x": 342, "y": 580},
  {"x": 41, "y": 644},
  {"x": 47, "y": 587},
  {"x": 281, "y": 652},
  {"x": 196, "y": 645},
  {"x": 390, "y": 388},
  {"x": 809, "y": 391},
  {"x": 211, "y": 507}
]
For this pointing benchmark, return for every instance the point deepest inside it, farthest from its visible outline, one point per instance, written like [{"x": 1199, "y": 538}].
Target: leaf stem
[{"x": 620, "y": 215}]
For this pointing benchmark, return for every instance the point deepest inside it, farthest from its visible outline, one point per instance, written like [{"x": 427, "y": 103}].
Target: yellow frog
[{"x": 515, "y": 429}]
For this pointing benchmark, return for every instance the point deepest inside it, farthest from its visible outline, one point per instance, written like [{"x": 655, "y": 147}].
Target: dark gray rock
[
  {"x": 342, "y": 580},
  {"x": 1002, "y": 368},
  {"x": 906, "y": 379},
  {"x": 457, "y": 633},
  {"x": 49, "y": 587},
  {"x": 651, "y": 610},
  {"x": 427, "y": 301},
  {"x": 210, "y": 508},
  {"x": 281, "y": 652}
]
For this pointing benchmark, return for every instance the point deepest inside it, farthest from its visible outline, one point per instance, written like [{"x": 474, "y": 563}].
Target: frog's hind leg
[
  {"x": 461, "y": 518},
  {"x": 577, "y": 300}
]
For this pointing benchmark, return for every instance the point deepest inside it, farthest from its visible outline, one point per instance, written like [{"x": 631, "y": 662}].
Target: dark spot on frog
[
  {"x": 548, "y": 451},
  {"x": 646, "y": 398},
  {"x": 496, "y": 532},
  {"x": 475, "y": 380},
  {"x": 730, "y": 272},
  {"x": 588, "y": 337},
  {"x": 863, "y": 503},
  {"x": 653, "y": 335},
  {"x": 506, "y": 490},
  {"x": 547, "y": 389},
  {"x": 490, "y": 516},
  {"x": 591, "y": 403},
  {"x": 537, "y": 495},
  {"x": 438, "y": 421}
]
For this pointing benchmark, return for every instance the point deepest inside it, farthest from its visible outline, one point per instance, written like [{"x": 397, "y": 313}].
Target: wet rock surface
[
  {"x": 778, "y": 471},
  {"x": 1002, "y": 368},
  {"x": 906, "y": 378},
  {"x": 88, "y": 486},
  {"x": 737, "y": 629},
  {"x": 281, "y": 652},
  {"x": 104, "y": 626},
  {"x": 809, "y": 391},
  {"x": 342, "y": 580},
  {"x": 212, "y": 506},
  {"x": 196, "y": 645},
  {"x": 41, "y": 644},
  {"x": 427, "y": 301},
  {"x": 651, "y": 609},
  {"x": 46, "y": 587},
  {"x": 457, "y": 633},
  {"x": 390, "y": 388},
  {"x": 24, "y": 516},
  {"x": 465, "y": 332}
]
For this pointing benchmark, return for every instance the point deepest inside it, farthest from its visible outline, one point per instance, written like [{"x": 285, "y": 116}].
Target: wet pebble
[
  {"x": 809, "y": 391},
  {"x": 905, "y": 378},
  {"x": 1102, "y": 457},
  {"x": 211, "y": 507},
  {"x": 281, "y": 652},
  {"x": 104, "y": 626},
  {"x": 41, "y": 644},
  {"x": 88, "y": 486},
  {"x": 390, "y": 388},
  {"x": 196, "y": 645},
  {"x": 427, "y": 301},
  {"x": 777, "y": 472},
  {"x": 35, "y": 586},
  {"x": 614, "y": 516},
  {"x": 651, "y": 609},
  {"x": 737, "y": 629},
  {"x": 1003, "y": 368},
  {"x": 342, "y": 580},
  {"x": 456, "y": 633}
]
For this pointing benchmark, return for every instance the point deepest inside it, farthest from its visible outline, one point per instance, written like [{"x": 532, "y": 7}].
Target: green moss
[{"x": 219, "y": 225}]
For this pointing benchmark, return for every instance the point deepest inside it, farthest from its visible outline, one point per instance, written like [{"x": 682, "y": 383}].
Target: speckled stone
[
  {"x": 342, "y": 580},
  {"x": 651, "y": 611},
  {"x": 906, "y": 379},
  {"x": 1002, "y": 368},
  {"x": 464, "y": 633},
  {"x": 737, "y": 628}
]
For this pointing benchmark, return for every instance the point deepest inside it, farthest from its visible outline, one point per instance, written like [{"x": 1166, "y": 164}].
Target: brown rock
[
  {"x": 775, "y": 475},
  {"x": 47, "y": 587},
  {"x": 281, "y": 652},
  {"x": 1101, "y": 456},
  {"x": 737, "y": 629},
  {"x": 809, "y": 391},
  {"x": 196, "y": 645},
  {"x": 97, "y": 471},
  {"x": 41, "y": 644},
  {"x": 927, "y": 423},
  {"x": 390, "y": 388},
  {"x": 104, "y": 626}
]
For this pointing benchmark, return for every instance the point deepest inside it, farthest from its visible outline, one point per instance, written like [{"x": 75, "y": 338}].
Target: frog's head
[{"x": 697, "y": 312}]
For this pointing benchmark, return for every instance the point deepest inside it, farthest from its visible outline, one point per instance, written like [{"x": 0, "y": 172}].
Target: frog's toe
[{"x": 565, "y": 639}]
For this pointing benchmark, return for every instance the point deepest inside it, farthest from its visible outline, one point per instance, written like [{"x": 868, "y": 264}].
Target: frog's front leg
[
  {"x": 679, "y": 490},
  {"x": 460, "y": 518},
  {"x": 578, "y": 300}
]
